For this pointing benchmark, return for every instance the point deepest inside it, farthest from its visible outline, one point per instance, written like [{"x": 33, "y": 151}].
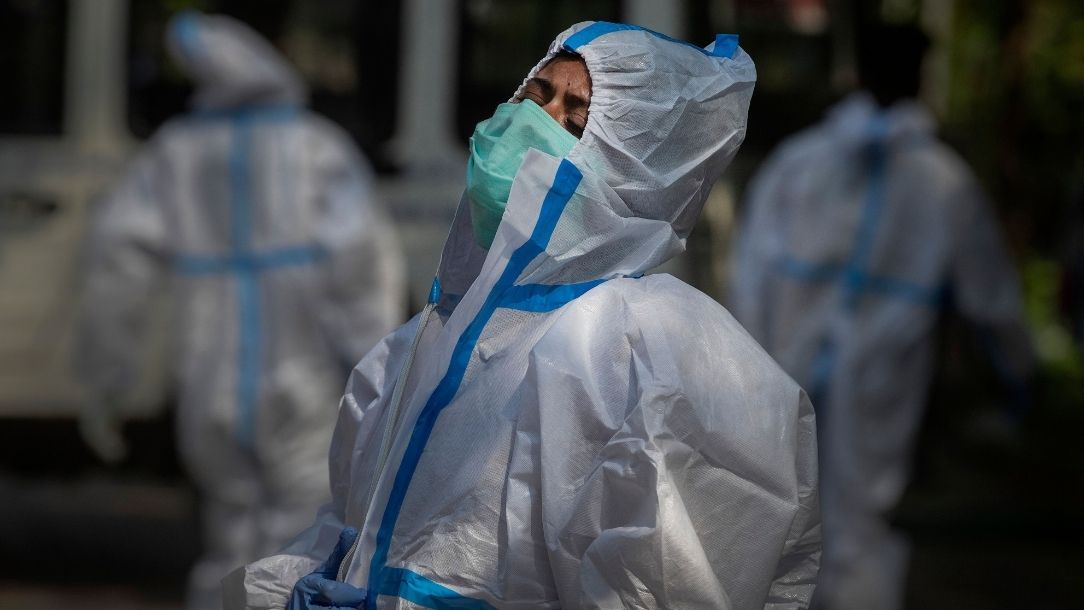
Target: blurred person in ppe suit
[
  {"x": 556, "y": 430},
  {"x": 854, "y": 233},
  {"x": 283, "y": 271}
]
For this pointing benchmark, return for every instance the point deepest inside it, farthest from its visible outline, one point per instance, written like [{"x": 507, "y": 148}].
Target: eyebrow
[{"x": 543, "y": 84}]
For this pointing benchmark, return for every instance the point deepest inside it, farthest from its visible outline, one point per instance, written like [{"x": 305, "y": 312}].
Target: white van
[{"x": 62, "y": 142}]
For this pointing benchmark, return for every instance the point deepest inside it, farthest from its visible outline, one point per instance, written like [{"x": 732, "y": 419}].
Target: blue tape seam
[
  {"x": 542, "y": 298},
  {"x": 726, "y": 45},
  {"x": 564, "y": 185},
  {"x": 585, "y": 36},
  {"x": 539, "y": 298},
  {"x": 434, "y": 292},
  {"x": 186, "y": 32},
  {"x": 855, "y": 277},
  {"x": 415, "y": 588},
  {"x": 248, "y": 314},
  {"x": 881, "y": 285},
  {"x": 247, "y": 113},
  {"x": 293, "y": 256},
  {"x": 246, "y": 266}
]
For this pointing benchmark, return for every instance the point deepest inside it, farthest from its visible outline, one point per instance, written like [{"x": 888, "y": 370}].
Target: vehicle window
[
  {"x": 501, "y": 41},
  {"x": 32, "y": 59}
]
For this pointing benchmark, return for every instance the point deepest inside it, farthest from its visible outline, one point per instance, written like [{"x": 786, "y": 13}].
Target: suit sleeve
[
  {"x": 125, "y": 262},
  {"x": 757, "y": 245},
  {"x": 986, "y": 289},
  {"x": 363, "y": 292}
]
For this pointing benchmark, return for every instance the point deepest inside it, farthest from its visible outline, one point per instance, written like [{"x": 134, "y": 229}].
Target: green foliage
[
  {"x": 1061, "y": 361},
  {"x": 1053, "y": 53},
  {"x": 1016, "y": 111},
  {"x": 1015, "y": 106}
]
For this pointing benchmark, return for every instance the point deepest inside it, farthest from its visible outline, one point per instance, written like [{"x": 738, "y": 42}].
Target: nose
[{"x": 556, "y": 109}]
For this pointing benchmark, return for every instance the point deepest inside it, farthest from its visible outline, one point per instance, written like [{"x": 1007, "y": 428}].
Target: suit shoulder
[{"x": 660, "y": 314}]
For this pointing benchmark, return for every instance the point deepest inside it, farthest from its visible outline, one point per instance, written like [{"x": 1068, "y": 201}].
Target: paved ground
[
  {"x": 77, "y": 534},
  {"x": 994, "y": 518},
  {"x": 95, "y": 542}
]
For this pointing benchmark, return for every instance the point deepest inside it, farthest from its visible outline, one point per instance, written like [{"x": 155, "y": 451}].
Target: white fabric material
[
  {"x": 631, "y": 448},
  {"x": 858, "y": 332},
  {"x": 283, "y": 273}
]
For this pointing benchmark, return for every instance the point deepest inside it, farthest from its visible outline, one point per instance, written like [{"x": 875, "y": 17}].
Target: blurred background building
[{"x": 993, "y": 511}]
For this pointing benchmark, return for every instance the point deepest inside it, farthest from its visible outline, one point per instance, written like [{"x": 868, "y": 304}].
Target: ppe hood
[
  {"x": 858, "y": 121},
  {"x": 231, "y": 64},
  {"x": 665, "y": 119}
]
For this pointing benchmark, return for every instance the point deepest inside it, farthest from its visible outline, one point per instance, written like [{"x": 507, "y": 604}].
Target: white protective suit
[
  {"x": 283, "y": 274},
  {"x": 855, "y": 233},
  {"x": 556, "y": 431}
]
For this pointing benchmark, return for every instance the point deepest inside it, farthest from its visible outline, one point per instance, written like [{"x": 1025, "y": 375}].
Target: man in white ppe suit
[
  {"x": 555, "y": 430},
  {"x": 854, "y": 233},
  {"x": 283, "y": 272}
]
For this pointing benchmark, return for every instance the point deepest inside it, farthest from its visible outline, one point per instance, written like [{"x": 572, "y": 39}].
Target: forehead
[{"x": 568, "y": 72}]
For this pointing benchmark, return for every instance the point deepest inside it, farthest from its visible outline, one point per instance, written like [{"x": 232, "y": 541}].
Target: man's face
[{"x": 563, "y": 89}]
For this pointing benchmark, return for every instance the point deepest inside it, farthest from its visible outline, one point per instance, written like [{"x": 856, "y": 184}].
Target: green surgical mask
[{"x": 496, "y": 152}]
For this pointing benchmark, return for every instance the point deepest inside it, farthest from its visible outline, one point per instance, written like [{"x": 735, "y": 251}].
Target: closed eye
[
  {"x": 577, "y": 114},
  {"x": 575, "y": 124},
  {"x": 534, "y": 97},
  {"x": 539, "y": 91}
]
